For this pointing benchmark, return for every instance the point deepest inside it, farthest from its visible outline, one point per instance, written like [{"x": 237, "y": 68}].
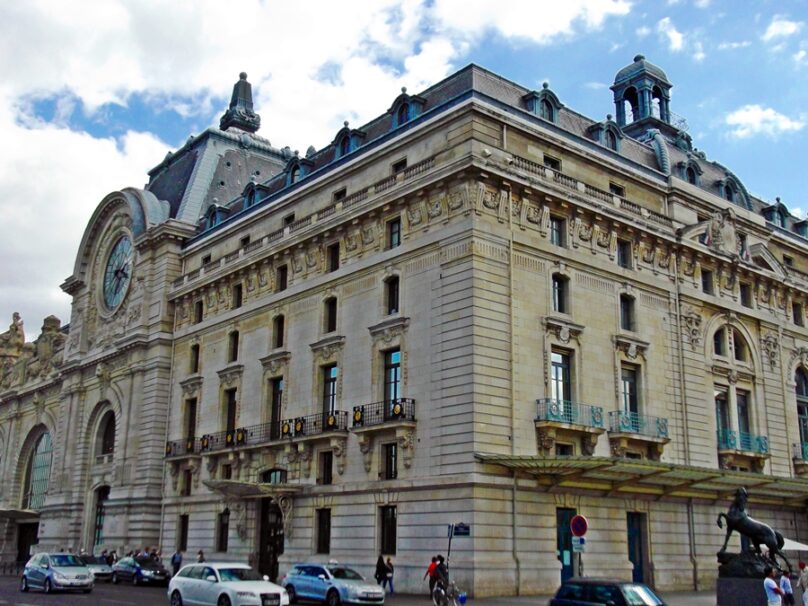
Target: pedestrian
[
  {"x": 430, "y": 572},
  {"x": 773, "y": 592},
  {"x": 381, "y": 570},
  {"x": 803, "y": 583},
  {"x": 388, "y": 575},
  {"x": 200, "y": 556},
  {"x": 788, "y": 591},
  {"x": 176, "y": 561}
]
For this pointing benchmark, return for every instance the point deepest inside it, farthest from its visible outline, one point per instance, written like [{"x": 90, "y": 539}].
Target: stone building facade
[{"x": 480, "y": 307}]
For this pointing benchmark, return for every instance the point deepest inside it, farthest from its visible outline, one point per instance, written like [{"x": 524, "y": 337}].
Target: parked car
[
  {"x": 140, "y": 570},
  {"x": 98, "y": 567},
  {"x": 333, "y": 584},
  {"x": 224, "y": 584},
  {"x": 56, "y": 572},
  {"x": 597, "y": 592}
]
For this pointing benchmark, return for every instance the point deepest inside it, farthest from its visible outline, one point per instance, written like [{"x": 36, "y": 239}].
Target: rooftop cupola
[
  {"x": 642, "y": 99},
  {"x": 240, "y": 114}
]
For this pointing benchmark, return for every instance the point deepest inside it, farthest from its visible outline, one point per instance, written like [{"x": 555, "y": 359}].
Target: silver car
[
  {"x": 332, "y": 584},
  {"x": 98, "y": 567},
  {"x": 56, "y": 572}
]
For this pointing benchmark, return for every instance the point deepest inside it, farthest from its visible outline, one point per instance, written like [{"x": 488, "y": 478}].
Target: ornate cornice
[
  {"x": 275, "y": 362},
  {"x": 561, "y": 328},
  {"x": 327, "y": 347},
  {"x": 388, "y": 329},
  {"x": 630, "y": 346},
  {"x": 230, "y": 375},
  {"x": 191, "y": 385}
]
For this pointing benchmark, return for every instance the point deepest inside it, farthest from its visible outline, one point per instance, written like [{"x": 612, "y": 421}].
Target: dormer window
[
  {"x": 294, "y": 174},
  {"x": 215, "y": 215},
  {"x": 777, "y": 219},
  {"x": 610, "y": 140},
  {"x": 729, "y": 194},
  {"x": 403, "y": 114},
  {"x": 406, "y": 108},
  {"x": 690, "y": 175},
  {"x": 543, "y": 103},
  {"x": 546, "y": 110},
  {"x": 345, "y": 146}
]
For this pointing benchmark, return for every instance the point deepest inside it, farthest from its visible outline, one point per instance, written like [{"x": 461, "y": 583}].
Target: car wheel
[
  {"x": 332, "y": 599},
  {"x": 24, "y": 584},
  {"x": 176, "y": 599},
  {"x": 47, "y": 587},
  {"x": 223, "y": 601},
  {"x": 292, "y": 595},
  {"x": 114, "y": 578}
]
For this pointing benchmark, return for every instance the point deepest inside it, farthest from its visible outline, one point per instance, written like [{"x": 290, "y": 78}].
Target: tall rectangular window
[
  {"x": 721, "y": 410},
  {"x": 198, "y": 311},
  {"x": 190, "y": 418},
  {"x": 797, "y": 313},
  {"x": 281, "y": 278},
  {"x": 238, "y": 296},
  {"x": 746, "y": 295},
  {"x": 558, "y": 231},
  {"x": 182, "y": 533},
  {"x": 326, "y": 468},
  {"x": 393, "y": 233},
  {"x": 332, "y": 254},
  {"x": 392, "y": 377},
  {"x": 330, "y": 320},
  {"x": 324, "y": 530},
  {"x": 330, "y": 374},
  {"x": 278, "y": 326},
  {"x": 391, "y": 295},
  {"x": 626, "y": 312},
  {"x": 561, "y": 376},
  {"x": 742, "y": 399},
  {"x": 629, "y": 392},
  {"x": 560, "y": 286},
  {"x": 230, "y": 409},
  {"x": 624, "y": 254},
  {"x": 101, "y": 496},
  {"x": 707, "y": 281},
  {"x": 187, "y": 481},
  {"x": 232, "y": 346},
  {"x": 194, "y": 358},
  {"x": 390, "y": 458},
  {"x": 222, "y": 530},
  {"x": 387, "y": 516},
  {"x": 275, "y": 403}
]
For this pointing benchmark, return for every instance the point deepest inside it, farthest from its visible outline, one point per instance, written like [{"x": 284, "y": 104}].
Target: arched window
[
  {"x": 611, "y": 140},
  {"x": 729, "y": 193},
  {"x": 403, "y": 114},
  {"x": 690, "y": 174},
  {"x": 37, "y": 473},
  {"x": 294, "y": 176},
  {"x": 720, "y": 342},
  {"x": 345, "y": 146},
  {"x": 546, "y": 110},
  {"x": 739, "y": 347},
  {"x": 631, "y": 104},
  {"x": 106, "y": 434},
  {"x": 802, "y": 406},
  {"x": 274, "y": 476}
]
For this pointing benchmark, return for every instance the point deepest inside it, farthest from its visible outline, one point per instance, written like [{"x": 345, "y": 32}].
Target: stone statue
[
  {"x": 12, "y": 340},
  {"x": 751, "y": 563}
]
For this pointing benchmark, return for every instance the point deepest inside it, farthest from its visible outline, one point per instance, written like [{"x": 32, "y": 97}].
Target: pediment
[{"x": 763, "y": 258}]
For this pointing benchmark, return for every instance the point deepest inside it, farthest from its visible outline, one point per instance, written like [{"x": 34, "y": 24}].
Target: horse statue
[{"x": 757, "y": 532}]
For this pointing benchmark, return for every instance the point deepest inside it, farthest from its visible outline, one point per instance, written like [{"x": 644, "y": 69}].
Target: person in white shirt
[{"x": 773, "y": 592}]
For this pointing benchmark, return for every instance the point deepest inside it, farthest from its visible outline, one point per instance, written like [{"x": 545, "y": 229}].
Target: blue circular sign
[{"x": 579, "y": 525}]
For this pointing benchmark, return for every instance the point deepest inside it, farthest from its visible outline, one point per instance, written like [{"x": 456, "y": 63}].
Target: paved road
[{"x": 127, "y": 595}]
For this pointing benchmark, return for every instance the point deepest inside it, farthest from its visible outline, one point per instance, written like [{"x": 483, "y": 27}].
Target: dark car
[
  {"x": 144, "y": 570},
  {"x": 603, "y": 592}
]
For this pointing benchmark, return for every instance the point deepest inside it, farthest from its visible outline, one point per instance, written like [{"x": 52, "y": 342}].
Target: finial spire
[{"x": 240, "y": 114}]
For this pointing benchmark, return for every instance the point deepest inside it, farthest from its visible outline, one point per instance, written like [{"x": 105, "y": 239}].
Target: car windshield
[
  {"x": 340, "y": 572},
  {"x": 97, "y": 560},
  {"x": 148, "y": 563},
  {"x": 63, "y": 561},
  {"x": 238, "y": 574},
  {"x": 640, "y": 595}
]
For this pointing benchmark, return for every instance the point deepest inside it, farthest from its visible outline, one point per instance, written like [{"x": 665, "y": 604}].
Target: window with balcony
[
  {"x": 232, "y": 346},
  {"x": 329, "y": 380},
  {"x": 326, "y": 467},
  {"x": 558, "y": 231},
  {"x": 281, "y": 278},
  {"x": 392, "y": 377},
  {"x": 801, "y": 378},
  {"x": 194, "y": 366},
  {"x": 617, "y": 190},
  {"x": 388, "y": 528},
  {"x": 278, "y": 327},
  {"x": 391, "y": 295},
  {"x": 627, "y": 313},
  {"x": 275, "y": 407},
  {"x": 227, "y": 471},
  {"x": 394, "y": 233},
  {"x": 340, "y": 194},
  {"x": 398, "y": 166},
  {"x": 561, "y": 376},
  {"x": 323, "y": 524},
  {"x": 390, "y": 461},
  {"x": 560, "y": 294},
  {"x": 274, "y": 476},
  {"x": 190, "y": 418},
  {"x": 722, "y": 418},
  {"x": 624, "y": 259},
  {"x": 230, "y": 409},
  {"x": 629, "y": 390}
]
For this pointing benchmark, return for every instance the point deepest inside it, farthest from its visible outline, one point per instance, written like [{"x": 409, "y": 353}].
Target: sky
[{"x": 93, "y": 93}]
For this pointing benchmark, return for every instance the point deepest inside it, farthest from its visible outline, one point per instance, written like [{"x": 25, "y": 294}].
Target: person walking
[
  {"x": 803, "y": 583},
  {"x": 200, "y": 556},
  {"x": 381, "y": 570},
  {"x": 176, "y": 561},
  {"x": 773, "y": 592},
  {"x": 788, "y": 591},
  {"x": 430, "y": 572},
  {"x": 388, "y": 575}
]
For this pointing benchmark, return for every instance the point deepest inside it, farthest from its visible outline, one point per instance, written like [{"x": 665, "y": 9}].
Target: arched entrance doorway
[
  {"x": 34, "y": 489},
  {"x": 270, "y": 528}
]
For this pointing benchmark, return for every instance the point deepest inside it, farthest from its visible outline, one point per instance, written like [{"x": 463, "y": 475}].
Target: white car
[{"x": 223, "y": 584}]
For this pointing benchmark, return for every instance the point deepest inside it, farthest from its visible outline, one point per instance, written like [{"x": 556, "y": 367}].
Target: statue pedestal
[{"x": 733, "y": 592}]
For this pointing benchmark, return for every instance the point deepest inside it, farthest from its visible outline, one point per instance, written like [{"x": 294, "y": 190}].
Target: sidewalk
[{"x": 702, "y": 598}]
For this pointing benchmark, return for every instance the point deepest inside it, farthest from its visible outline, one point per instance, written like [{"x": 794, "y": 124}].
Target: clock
[{"x": 118, "y": 272}]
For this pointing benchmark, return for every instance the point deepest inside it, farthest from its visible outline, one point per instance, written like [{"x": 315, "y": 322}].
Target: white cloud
[
  {"x": 800, "y": 56},
  {"x": 702, "y": 3},
  {"x": 596, "y": 85},
  {"x": 668, "y": 31},
  {"x": 642, "y": 31},
  {"x": 734, "y": 45},
  {"x": 698, "y": 52},
  {"x": 797, "y": 212},
  {"x": 186, "y": 56},
  {"x": 752, "y": 120},
  {"x": 781, "y": 27}
]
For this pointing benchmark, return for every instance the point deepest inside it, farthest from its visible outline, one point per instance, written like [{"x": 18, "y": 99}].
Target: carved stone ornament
[
  {"x": 352, "y": 241},
  {"x": 414, "y": 216},
  {"x": 563, "y": 330},
  {"x": 546, "y": 439},
  {"x": 801, "y": 354},
  {"x": 191, "y": 386},
  {"x": 771, "y": 348},
  {"x": 103, "y": 374},
  {"x": 457, "y": 199},
  {"x": 275, "y": 363},
  {"x": 434, "y": 207},
  {"x": 406, "y": 444},
  {"x": 692, "y": 325},
  {"x": 339, "y": 447},
  {"x": 231, "y": 375},
  {"x": 287, "y": 510},
  {"x": 366, "y": 448},
  {"x": 588, "y": 443},
  {"x": 630, "y": 347},
  {"x": 533, "y": 214},
  {"x": 389, "y": 330},
  {"x": 326, "y": 349},
  {"x": 491, "y": 199}
]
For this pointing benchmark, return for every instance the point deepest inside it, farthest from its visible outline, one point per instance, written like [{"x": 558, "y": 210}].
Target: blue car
[
  {"x": 56, "y": 572},
  {"x": 139, "y": 571},
  {"x": 332, "y": 584}
]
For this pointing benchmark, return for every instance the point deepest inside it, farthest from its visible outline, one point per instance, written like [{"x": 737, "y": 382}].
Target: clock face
[{"x": 118, "y": 272}]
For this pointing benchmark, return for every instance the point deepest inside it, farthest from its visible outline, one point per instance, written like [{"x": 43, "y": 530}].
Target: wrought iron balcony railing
[
  {"x": 730, "y": 439},
  {"x": 378, "y": 413},
  {"x": 567, "y": 411},
  {"x": 178, "y": 448},
  {"x": 632, "y": 422},
  {"x": 312, "y": 425}
]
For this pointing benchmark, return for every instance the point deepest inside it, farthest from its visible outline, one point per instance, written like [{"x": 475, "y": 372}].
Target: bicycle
[{"x": 448, "y": 596}]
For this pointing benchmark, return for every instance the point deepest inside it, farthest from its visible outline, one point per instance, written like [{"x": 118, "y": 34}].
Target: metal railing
[
  {"x": 178, "y": 448},
  {"x": 632, "y": 422},
  {"x": 742, "y": 440},
  {"x": 567, "y": 411},
  {"x": 312, "y": 425},
  {"x": 378, "y": 413}
]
